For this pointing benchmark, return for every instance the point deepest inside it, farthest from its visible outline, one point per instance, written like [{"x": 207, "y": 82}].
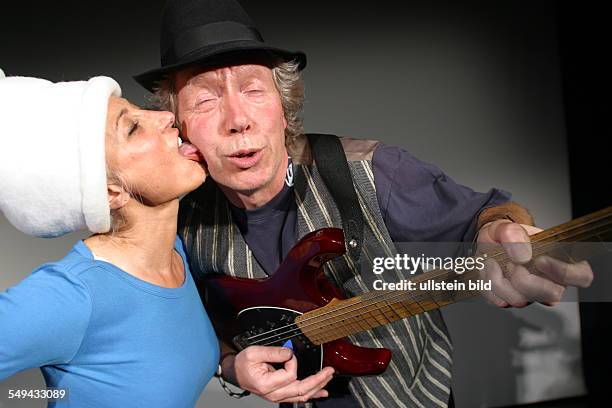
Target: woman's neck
[{"x": 145, "y": 247}]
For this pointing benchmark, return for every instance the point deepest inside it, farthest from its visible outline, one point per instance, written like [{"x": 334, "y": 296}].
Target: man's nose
[{"x": 237, "y": 118}]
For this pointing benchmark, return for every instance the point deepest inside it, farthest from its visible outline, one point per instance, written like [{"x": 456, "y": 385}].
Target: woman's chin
[
  {"x": 185, "y": 177},
  {"x": 197, "y": 176}
]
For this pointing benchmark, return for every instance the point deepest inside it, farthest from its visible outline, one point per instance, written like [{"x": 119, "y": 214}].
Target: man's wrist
[
  {"x": 227, "y": 368},
  {"x": 509, "y": 211},
  {"x": 226, "y": 373}
]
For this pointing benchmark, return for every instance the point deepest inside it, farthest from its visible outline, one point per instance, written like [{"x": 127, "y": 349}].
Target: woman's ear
[{"x": 117, "y": 196}]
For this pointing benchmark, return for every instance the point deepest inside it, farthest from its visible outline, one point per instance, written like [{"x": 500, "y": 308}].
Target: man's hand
[
  {"x": 518, "y": 286},
  {"x": 252, "y": 371}
]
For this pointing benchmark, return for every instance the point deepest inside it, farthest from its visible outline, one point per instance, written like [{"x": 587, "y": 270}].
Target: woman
[{"x": 118, "y": 322}]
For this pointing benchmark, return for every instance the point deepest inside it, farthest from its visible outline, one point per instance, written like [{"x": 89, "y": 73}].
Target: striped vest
[{"x": 419, "y": 374}]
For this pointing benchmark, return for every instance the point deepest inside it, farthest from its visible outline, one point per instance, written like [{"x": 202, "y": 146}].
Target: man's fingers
[
  {"x": 531, "y": 230},
  {"x": 574, "y": 274},
  {"x": 535, "y": 288},
  {"x": 304, "y": 392},
  {"x": 501, "y": 287},
  {"x": 291, "y": 365},
  {"x": 280, "y": 378},
  {"x": 300, "y": 391},
  {"x": 320, "y": 394},
  {"x": 488, "y": 294},
  {"x": 266, "y": 354},
  {"x": 317, "y": 392},
  {"x": 493, "y": 298},
  {"x": 512, "y": 236},
  {"x": 519, "y": 286},
  {"x": 514, "y": 239},
  {"x": 254, "y": 372}
]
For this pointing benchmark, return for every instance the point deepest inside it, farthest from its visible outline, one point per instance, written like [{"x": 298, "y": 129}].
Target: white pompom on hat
[{"x": 52, "y": 161}]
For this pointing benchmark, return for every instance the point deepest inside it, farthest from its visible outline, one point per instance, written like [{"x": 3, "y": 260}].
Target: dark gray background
[{"x": 472, "y": 86}]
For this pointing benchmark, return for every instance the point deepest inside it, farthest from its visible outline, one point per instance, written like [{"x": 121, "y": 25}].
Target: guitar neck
[{"x": 341, "y": 318}]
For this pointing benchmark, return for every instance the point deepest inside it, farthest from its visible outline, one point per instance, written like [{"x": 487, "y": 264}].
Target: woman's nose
[{"x": 165, "y": 119}]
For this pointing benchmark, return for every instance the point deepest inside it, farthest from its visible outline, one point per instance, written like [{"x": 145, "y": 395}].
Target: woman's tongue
[{"x": 190, "y": 152}]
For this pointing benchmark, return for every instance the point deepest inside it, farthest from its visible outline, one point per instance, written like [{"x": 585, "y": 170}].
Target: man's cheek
[
  {"x": 215, "y": 162},
  {"x": 197, "y": 141},
  {"x": 195, "y": 133}
]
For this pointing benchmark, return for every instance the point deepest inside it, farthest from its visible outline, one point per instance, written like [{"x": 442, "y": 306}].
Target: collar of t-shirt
[{"x": 270, "y": 231}]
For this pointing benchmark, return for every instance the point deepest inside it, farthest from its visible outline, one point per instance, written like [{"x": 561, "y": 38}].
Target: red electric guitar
[{"x": 299, "y": 306}]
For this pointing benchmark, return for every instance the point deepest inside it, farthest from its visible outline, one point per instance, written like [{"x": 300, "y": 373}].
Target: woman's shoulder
[
  {"x": 64, "y": 278},
  {"x": 71, "y": 267}
]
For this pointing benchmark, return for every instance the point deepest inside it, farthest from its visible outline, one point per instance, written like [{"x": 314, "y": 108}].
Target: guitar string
[
  {"x": 395, "y": 299},
  {"x": 540, "y": 240},
  {"x": 377, "y": 313},
  {"x": 378, "y": 308},
  {"x": 364, "y": 305},
  {"x": 368, "y": 311},
  {"x": 430, "y": 276}
]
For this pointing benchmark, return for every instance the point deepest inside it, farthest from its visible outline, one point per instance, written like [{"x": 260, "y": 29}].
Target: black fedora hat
[{"x": 208, "y": 33}]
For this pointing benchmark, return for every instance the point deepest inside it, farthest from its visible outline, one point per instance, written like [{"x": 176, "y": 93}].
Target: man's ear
[{"x": 117, "y": 196}]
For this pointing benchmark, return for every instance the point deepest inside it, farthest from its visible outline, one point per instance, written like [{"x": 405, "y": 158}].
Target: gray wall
[{"x": 471, "y": 86}]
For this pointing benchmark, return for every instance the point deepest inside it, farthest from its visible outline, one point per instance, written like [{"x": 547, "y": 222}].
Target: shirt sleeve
[
  {"x": 43, "y": 320},
  {"x": 419, "y": 203}
]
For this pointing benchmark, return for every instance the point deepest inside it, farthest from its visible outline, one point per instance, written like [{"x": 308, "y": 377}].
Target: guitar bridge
[
  {"x": 241, "y": 341},
  {"x": 267, "y": 326}
]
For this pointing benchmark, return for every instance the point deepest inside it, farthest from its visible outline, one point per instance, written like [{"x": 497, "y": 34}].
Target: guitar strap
[{"x": 334, "y": 170}]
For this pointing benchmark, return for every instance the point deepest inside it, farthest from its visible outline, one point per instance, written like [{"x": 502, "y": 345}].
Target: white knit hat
[{"x": 52, "y": 162}]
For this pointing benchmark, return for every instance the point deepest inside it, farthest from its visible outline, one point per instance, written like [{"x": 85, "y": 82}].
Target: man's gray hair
[{"x": 288, "y": 83}]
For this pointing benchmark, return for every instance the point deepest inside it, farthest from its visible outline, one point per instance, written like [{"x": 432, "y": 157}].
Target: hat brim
[{"x": 228, "y": 53}]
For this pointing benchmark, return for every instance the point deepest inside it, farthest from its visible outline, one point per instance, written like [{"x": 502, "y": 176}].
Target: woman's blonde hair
[{"x": 287, "y": 81}]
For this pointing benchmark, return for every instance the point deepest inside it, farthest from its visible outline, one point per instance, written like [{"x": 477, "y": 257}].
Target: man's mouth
[{"x": 245, "y": 158}]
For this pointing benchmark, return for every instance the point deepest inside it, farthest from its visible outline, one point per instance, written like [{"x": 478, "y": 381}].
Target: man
[{"x": 238, "y": 100}]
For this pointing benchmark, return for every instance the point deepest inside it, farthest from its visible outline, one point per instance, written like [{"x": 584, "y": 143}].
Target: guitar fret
[{"x": 341, "y": 318}]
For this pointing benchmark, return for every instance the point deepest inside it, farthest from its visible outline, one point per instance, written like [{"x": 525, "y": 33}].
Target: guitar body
[{"x": 261, "y": 311}]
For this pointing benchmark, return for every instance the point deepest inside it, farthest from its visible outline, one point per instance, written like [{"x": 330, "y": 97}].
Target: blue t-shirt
[{"x": 109, "y": 338}]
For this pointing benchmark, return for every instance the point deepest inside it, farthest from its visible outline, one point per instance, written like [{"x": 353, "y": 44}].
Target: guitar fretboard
[{"x": 341, "y": 318}]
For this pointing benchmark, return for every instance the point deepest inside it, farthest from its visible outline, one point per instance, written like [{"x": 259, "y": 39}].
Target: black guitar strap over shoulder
[{"x": 333, "y": 167}]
